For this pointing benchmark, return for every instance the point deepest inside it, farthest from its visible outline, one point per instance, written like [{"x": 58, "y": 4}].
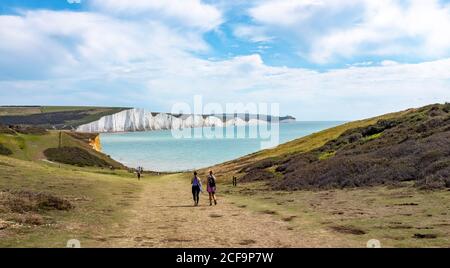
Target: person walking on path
[
  {"x": 211, "y": 188},
  {"x": 138, "y": 173},
  {"x": 196, "y": 188}
]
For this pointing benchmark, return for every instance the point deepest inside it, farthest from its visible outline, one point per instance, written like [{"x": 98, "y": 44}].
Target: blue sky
[{"x": 320, "y": 59}]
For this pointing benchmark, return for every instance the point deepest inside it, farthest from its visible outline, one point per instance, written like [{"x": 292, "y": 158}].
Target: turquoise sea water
[{"x": 161, "y": 151}]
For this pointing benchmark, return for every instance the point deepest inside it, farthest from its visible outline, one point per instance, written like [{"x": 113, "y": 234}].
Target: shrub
[
  {"x": 30, "y": 130},
  {"x": 326, "y": 155},
  {"x": 29, "y": 201},
  {"x": 28, "y": 218},
  {"x": 266, "y": 163},
  {"x": 372, "y": 137},
  {"x": 6, "y": 130},
  {"x": 258, "y": 175},
  {"x": 4, "y": 150},
  {"x": 74, "y": 156}
]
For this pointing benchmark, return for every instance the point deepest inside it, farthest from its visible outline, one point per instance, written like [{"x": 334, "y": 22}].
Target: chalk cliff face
[
  {"x": 95, "y": 143},
  {"x": 141, "y": 120}
]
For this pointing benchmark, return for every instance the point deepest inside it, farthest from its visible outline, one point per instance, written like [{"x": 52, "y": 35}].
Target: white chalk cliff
[{"x": 141, "y": 120}]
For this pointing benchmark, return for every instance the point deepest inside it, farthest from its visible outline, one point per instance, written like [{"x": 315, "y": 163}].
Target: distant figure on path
[
  {"x": 234, "y": 181},
  {"x": 211, "y": 187},
  {"x": 196, "y": 188},
  {"x": 139, "y": 172}
]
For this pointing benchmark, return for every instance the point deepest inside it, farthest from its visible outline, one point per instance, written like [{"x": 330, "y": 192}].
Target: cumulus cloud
[
  {"x": 190, "y": 13},
  {"x": 252, "y": 33},
  {"x": 104, "y": 57},
  {"x": 61, "y": 43},
  {"x": 334, "y": 29}
]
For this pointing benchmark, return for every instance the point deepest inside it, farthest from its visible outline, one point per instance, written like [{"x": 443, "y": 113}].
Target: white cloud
[
  {"x": 349, "y": 93},
  {"x": 252, "y": 33},
  {"x": 190, "y": 13},
  {"x": 57, "y": 43},
  {"x": 344, "y": 29},
  {"x": 102, "y": 58},
  {"x": 388, "y": 63},
  {"x": 283, "y": 12}
]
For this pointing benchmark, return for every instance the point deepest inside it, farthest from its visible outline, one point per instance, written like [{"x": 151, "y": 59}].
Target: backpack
[
  {"x": 196, "y": 181},
  {"x": 211, "y": 181}
]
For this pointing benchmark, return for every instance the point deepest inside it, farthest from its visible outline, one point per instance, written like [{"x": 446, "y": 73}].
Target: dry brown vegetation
[
  {"x": 4, "y": 150},
  {"x": 28, "y": 207},
  {"x": 413, "y": 147}
]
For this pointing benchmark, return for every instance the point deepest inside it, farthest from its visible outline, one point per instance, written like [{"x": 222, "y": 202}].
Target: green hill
[
  {"x": 53, "y": 117},
  {"x": 37, "y": 144}
]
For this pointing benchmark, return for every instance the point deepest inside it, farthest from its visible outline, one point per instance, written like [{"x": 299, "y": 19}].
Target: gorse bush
[{"x": 4, "y": 150}]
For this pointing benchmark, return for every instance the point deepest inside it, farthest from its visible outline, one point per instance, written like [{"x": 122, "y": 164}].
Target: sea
[{"x": 170, "y": 151}]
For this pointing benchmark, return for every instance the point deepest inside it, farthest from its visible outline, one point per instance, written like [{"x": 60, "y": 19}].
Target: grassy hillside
[
  {"x": 409, "y": 147},
  {"x": 44, "y": 204},
  {"x": 53, "y": 117},
  {"x": 31, "y": 144},
  {"x": 227, "y": 170}
]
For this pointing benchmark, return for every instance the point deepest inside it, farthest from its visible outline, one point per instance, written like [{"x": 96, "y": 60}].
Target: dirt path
[{"x": 164, "y": 217}]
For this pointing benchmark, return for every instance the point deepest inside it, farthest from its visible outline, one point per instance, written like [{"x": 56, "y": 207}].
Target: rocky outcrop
[{"x": 141, "y": 120}]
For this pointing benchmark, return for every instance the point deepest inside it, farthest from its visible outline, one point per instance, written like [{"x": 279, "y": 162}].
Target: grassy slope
[
  {"x": 100, "y": 198},
  {"x": 31, "y": 147}
]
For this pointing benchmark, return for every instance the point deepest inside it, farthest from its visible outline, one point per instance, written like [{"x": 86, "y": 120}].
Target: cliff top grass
[
  {"x": 31, "y": 147},
  {"x": 54, "y": 117}
]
